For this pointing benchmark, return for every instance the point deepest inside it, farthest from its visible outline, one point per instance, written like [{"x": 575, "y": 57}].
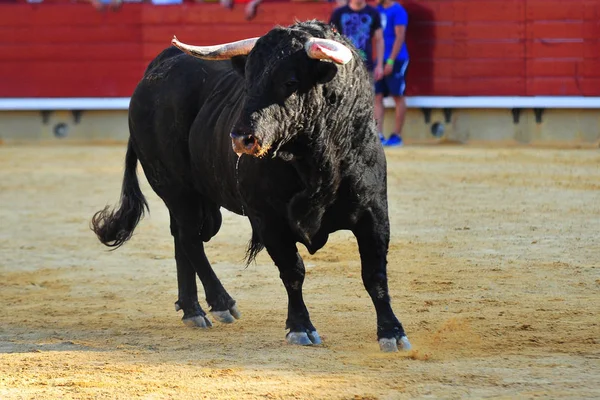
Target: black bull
[{"x": 298, "y": 111}]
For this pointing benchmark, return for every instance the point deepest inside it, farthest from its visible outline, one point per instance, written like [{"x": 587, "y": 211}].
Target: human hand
[
  {"x": 378, "y": 72},
  {"x": 388, "y": 69}
]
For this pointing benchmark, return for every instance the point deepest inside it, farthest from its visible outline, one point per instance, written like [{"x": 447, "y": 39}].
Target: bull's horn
[
  {"x": 326, "y": 49},
  {"x": 217, "y": 52}
]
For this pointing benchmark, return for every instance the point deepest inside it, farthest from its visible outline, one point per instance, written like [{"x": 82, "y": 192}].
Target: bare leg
[
  {"x": 379, "y": 111},
  {"x": 400, "y": 114}
]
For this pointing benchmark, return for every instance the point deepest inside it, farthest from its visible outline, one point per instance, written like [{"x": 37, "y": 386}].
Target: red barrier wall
[
  {"x": 504, "y": 47},
  {"x": 457, "y": 47}
]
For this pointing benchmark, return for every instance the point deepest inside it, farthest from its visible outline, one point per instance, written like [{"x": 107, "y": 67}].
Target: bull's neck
[{"x": 318, "y": 169}]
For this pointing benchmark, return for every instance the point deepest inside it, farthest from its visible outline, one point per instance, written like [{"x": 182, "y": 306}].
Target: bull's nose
[{"x": 244, "y": 143}]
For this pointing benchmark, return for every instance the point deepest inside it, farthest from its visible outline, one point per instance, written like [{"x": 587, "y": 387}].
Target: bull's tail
[{"x": 115, "y": 227}]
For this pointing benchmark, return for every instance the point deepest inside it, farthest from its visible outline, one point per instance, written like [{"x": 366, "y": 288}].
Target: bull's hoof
[
  {"x": 227, "y": 316},
  {"x": 235, "y": 312},
  {"x": 391, "y": 345},
  {"x": 199, "y": 321},
  {"x": 193, "y": 316},
  {"x": 224, "y": 317},
  {"x": 303, "y": 338}
]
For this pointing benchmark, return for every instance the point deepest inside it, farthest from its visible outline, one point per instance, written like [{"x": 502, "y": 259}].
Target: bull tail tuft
[
  {"x": 115, "y": 227},
  {"x": 255, "y": 246}
]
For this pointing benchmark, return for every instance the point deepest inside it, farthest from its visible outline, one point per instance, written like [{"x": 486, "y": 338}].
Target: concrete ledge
[
  {"x": 568, "y": 128},
  {"x": 475, "y": 102},
  {"x": 64, "y": 103},
  {"x": 478, "y": 102}
]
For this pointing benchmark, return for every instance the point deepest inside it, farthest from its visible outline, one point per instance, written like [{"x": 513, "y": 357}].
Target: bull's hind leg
[
  {"x": 291, "y": 271},
  {"x": 373, "y": 235},
  {"x": 190, "y": 225},
  {"x": 187, "y": 301}
]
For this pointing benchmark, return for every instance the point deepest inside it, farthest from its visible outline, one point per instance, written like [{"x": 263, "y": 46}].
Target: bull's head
[{"x": 282, "y": 70}]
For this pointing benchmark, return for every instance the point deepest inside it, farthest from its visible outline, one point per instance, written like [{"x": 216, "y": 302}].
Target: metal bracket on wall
[
  {"x": 427, "y": 114},
  {"x": 46, "y": 116},
  {"x": 538, "y": 114},
  {"x": 77, "y": 115},
  {"x": 516, "y": 113},
  {"x": 447, "y": 115}
]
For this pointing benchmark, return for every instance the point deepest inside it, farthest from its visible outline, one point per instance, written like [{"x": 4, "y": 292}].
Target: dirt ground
[{"x": 493, "y": 268}]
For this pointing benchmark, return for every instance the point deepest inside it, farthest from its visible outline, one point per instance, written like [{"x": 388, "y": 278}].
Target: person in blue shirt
[
  {"x": 361, "y": 23},
  {"x": 394, "y": 21}
]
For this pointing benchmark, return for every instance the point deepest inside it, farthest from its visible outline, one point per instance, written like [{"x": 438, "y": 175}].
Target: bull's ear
[
  {"x": 325, "y": 71},
  {"x": 239, "y": 64}
]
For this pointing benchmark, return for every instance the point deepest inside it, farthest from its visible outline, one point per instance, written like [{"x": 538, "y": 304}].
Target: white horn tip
[{"x": 328, "y": 49}]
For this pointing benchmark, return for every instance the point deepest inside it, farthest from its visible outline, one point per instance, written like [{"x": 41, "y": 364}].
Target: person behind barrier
[
  {"x": 361, "y": 23},
  {"x": 394, "y": 21}
]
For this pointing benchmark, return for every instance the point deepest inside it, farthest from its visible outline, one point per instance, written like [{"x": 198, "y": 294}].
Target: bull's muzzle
[{"x": 245, "y": 143}]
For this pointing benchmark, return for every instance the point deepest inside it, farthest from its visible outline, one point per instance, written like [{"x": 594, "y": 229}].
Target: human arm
[
  {"x": 400, "y": 18},
  {"x": 400, "y": 31},
  {"x": 334, "y": 20},
  {"x": 379, "y": 49}
]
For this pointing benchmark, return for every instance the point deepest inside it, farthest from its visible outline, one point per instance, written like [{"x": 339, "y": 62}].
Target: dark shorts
[{"x": 394, "y": 83}]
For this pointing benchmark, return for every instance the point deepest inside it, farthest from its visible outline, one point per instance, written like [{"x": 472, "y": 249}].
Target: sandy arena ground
[{"x": 493, "y": 267}]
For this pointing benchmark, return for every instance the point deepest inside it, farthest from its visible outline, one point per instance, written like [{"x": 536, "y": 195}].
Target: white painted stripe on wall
[{"x": 122, "y": 103}]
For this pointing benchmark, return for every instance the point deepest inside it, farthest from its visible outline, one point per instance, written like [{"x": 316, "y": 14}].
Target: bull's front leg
[
  {"x": 373, "y": 235},
  {"x": 291, "y": 271}
]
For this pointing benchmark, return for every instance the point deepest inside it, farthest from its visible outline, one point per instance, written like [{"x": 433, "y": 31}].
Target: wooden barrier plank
[
  {"x": 557, "y": 86},
  {"x": 69, "y": 79},
  {"x": 488, "y": 10},
  {"x": 151, "y": 50},
  {"x": 199, "y": 14},
  {"x": 77, "y": 87},
  {"x": 555, "y": 30},
  {"x": 429, "y": 31},
  {"x": 201, "y": 35},
  {"x": 591, "y": 29},
  {"x": 508, "y": 49},
  {"x": 554, "y": 48},
  {"x": 561, "y": 10},
  {"x": 489, "y": 31},
  {"x": 35, "y": 16},
  {"x": 431, "y": 49},
  {"x": 588, "y": 68},
  {"x": 552, "y": 67},
  {"x": 71, "y": 52},
  {"x": 499, "y": 86},
  {"x": 492, "y": 68},
  {"x": 591, "y": 49},
  {"x": 70, "y": 34},
  {"x": 467, "y": 87},
  {"x": 430, "y": 10},
  {"x": 170, "y": 14},
  {"x": 590, "y": 86},
  {"x": 429, "y": 87},
  {"x": 591, "y": 10},
  {"x": 48, "y": 69},
  {"x": 430, "y": 69},
  {"x": 457, "y": 47},
  {"x": 286, "y": 14}
]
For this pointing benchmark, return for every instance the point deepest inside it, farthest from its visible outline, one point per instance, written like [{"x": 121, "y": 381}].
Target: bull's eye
[{"x": 291, "y": 84}]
